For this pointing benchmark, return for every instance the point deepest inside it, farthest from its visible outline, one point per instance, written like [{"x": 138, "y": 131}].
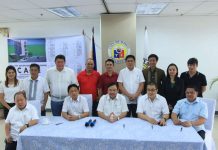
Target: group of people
[{"x": 148, "y": 94}]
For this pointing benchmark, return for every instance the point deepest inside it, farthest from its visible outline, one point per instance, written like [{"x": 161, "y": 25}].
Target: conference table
[{"x": 125, "y": 134}]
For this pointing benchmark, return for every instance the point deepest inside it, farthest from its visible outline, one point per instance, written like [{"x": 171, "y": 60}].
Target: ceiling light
[
  {"x": 150, "y": 8},
  {"x": 65, "y": 12}
]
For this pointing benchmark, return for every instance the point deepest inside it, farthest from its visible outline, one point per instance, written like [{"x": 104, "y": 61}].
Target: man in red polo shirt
[
  {"x": 88, "y": 80},
  {"x": 107, "y": 78}
]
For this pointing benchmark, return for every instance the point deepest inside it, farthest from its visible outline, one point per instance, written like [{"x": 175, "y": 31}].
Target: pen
[{"x": 58, "y": 123}]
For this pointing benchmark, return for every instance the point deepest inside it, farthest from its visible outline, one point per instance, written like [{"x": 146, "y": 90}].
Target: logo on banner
[{"x": 118, "y": 50}]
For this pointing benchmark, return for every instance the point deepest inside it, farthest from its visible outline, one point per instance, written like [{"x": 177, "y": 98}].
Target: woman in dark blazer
[{"x": 172, "y": 86}]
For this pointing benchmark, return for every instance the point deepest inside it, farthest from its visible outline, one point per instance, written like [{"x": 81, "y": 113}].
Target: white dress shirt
[
  {"x": 131, "y": 80},
  {"x": 75, "y": 107},
  {"x": 59, "y": 81},
  {"x": 154, "y": 109},
  {"x": 18, "y": 118},
  {"x": 41, "y": 86},
  {"x": 116, "y": 105},
  {"x": 10, "y": 91}
]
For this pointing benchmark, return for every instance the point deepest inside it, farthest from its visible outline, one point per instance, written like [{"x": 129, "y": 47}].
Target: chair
[
  {"x": 37, "y": 105},
  {"x": 209, "y": 141},
  {"x": 89, "y": 100}
]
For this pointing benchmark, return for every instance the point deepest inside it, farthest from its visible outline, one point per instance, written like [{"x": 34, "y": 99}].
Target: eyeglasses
[
  {"x": 192, "y": 92},
  {"x": 151, "y": 90}
]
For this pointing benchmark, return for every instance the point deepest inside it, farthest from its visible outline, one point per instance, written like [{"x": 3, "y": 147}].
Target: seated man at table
[
  {"x": 192, "y": 111},
  {"x": 112, "y": 106},
  {"x": 20, "y": 117},
  {"x": 75, "y": 106},
  {"x": 152, "y": 107}
]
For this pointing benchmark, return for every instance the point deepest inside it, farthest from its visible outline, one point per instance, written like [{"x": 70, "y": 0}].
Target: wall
[
  {"x": 174, "y": 39},
  {"x": 114, "y": 27}
]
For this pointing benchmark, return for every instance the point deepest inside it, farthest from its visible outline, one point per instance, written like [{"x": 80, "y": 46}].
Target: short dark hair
[
  {"x": 72, "y": 85},
  {"x": 35, "y": 65},
  {"x": 151, "y": 84},
  {"x": 153, "y": 56},
  {"x": 192, "y": 87},
  {"x": 109, "y": 60},
  {"x": 112, "y": 84},
  {"x": 192, "y": 61},
  {"x": 20, "y": 93},
  {"x": 130, "y": 56},
  {"x": 60, "y": 56}
]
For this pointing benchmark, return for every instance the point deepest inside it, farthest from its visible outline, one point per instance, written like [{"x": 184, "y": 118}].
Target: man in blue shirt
[{"x": 191, "y": 111}]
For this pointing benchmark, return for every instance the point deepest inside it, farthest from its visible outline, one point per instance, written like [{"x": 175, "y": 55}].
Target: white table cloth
[{"x": 126, "y": 134}]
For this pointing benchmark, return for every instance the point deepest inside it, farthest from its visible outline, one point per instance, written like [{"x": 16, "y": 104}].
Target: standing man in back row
[
  {"x": 88, "y": 80},
  {"x": 36, "y": 88},
  {"x": 59, "y": 78},
  {"x": 131, "y": 84},
  {"x": 153, "y": 74},
  {"x": 194, "y": 78},
  {"x": 110, "y": 76}
]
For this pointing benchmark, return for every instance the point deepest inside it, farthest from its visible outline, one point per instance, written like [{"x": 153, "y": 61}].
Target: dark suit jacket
[{"x": 160, "y": 74}]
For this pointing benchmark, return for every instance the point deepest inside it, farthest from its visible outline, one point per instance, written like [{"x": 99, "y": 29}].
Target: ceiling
[{"x": 35, "y": 10}]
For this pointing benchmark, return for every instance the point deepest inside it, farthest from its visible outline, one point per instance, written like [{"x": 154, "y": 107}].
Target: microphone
[
  {"x": 92, "y": 124},
  {"x": 88, "y": 123}
]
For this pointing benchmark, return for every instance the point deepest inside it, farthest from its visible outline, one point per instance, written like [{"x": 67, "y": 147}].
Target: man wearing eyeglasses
[
  {"x": 153, "y": 107},
  {"x": 20, "y": 117}
]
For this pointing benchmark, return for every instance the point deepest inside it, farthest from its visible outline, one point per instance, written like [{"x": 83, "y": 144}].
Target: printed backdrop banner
[
  {"x": 73, "y": 48},
  {"x": 23, "y": 52}
]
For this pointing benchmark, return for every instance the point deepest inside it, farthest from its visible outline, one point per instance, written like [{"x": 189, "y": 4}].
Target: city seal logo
[{"x": 118, "y": 50}]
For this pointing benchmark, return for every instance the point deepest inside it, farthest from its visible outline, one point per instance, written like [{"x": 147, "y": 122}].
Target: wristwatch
[{"x": 27, "y": 125}]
